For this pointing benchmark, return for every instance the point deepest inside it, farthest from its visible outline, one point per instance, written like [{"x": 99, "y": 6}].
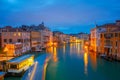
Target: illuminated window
[
  {"x": 14, "y": 34},
  {"x": 13, "y": 66},
  {"x": 19, "y": 34}
]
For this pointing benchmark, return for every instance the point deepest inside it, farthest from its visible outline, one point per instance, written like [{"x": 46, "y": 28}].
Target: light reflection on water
[
  {"x": 55, "y": 59},
  {"x": 85, "y": 63},
  {"x": 93, "y": 60},
  {"x": 53, "y": 51},
  {"x": 64, "y": 48},
  {"x": 70, "y": 62}
]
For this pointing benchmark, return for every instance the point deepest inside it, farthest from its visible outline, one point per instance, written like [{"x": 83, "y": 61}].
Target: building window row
[
  {"x": 12, "y": 34},
  {"x": 9, "y": 40},
  {"x": 18, "y": 40},
  {"x": 109, "y": 35}
]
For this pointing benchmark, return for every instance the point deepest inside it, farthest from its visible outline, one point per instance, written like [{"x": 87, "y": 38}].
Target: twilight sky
[{"x": 69, "y": 16}]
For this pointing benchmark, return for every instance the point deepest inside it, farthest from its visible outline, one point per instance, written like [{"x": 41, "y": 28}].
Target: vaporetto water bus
[{"x": 19, "y": 65}]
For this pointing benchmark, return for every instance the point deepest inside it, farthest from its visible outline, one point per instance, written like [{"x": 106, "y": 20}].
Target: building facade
[
  {"x": 35, "y": 40},
  {"x": 110, "y": 42},
  {"x": 93, "y": 41},
  {"x": 105, "y": 39},
  {"x": 15, "y": 37},
  {"x": 95, "y": 37},
  {"x": 61, "y": 38},
  {"x": 46, "y": 38},
  {"x": 83, "y": 36}
]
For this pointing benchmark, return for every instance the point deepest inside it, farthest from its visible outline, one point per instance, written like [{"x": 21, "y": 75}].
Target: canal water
[
  {"x": 70, "y": 62},
  {"x": 36, "y": 56}
]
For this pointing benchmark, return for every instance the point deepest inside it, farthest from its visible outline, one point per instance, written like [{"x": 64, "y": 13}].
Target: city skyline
[
  {"x": 59, "y": 39},
  {"x": 66, "y": 16}
]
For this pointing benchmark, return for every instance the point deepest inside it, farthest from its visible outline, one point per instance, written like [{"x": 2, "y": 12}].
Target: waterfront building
[
  {"x": 57, "y": 37},
  {"x": 67, "y": 38},
  {"x": 41, "y": 36},
  {"x": 35, "y": 40},
  {"x": 95, "y": 36},
  {"x": 60, "y": 37},
  {"x": 80, "y": 37},
  {"x": 63, "y": 38},
  {"x": 83, "y": 36},
  {"x": 15, "y": 37},
  {"x": 0, "y": 40},
  {"x": 46, "y": 38},
  {"x": 110, "y": 41},
  {"x": 55, "y": 41},
  {"x": 72, "y": 39},
  {"x": 94, "y": 39}
]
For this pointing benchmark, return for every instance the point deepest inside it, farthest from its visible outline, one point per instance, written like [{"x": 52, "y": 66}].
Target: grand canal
[{"x": 71, "y": 62}]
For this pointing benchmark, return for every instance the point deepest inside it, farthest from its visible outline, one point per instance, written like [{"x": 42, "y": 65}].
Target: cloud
[{"x": 58, "y": 12}]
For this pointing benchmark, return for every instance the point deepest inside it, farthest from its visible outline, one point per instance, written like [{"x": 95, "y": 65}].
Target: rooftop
[{"x": 19, "y": 59}]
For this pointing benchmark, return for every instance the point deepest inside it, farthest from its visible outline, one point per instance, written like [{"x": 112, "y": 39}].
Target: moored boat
[{"x": 17, "y": 66}]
